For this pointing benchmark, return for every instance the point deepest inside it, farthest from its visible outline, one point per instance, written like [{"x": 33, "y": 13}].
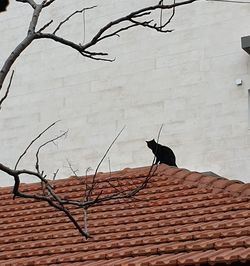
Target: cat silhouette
[{"x": 162, "y": 153}]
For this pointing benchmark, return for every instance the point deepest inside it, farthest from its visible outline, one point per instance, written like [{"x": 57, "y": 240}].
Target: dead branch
[
  {"x": 44, "y": 144},
  {"x": 12, "y": 58},
  {"x": 70, "y": 16},
  {"x": 48, "y": 3},
  {"x": 32, "y": 142},
  {"x": 157, "y": 141},
  {"x": 138, "y": 13},
  {"x": 30, "y": 2},
  {"x": 50, "y": 197},
  {"x": 54, "y": 200},
  {"x": 111, "y": 29},
  {"x": 123, "y": 194},
  {"x": 105, "y": 33},
  {"x": 45, "y": 26},
  {"x": 93, "y": 183},
  {"x": 133, "y": 192},
  {"x": 7, "y": 90},
  {"x": 72, "y": 169}
]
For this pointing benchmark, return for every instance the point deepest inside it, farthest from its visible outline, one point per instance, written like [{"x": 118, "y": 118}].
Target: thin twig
[
  {"x": 99, "y": 164},
  {"x": 70, "y": 16},
  {"x": 43, "y": 145},
  {"x": 32, "y": 142},
  {"x": 55, "y": 174},
  {"x": 159, "y": 133},
  {"x": 45, "y": 26},
  {"x": 48, "y": 3},
  {"x": 157, "y": 141},
  {"x": 7, "y": 90},
  {"x": 150, "y": 173},
  {"x": 96, "y": 58},
  {"x": 115, "y": 33},
  {"x": 72, "y": 169},
  {"x": 86, "y": 182}
]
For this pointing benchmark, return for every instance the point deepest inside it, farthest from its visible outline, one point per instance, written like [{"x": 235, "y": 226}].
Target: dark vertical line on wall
[{"x": 84, "y": 27}]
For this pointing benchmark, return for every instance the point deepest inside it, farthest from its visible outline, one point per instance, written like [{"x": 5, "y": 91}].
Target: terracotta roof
[{"x": 181, "y": 218}]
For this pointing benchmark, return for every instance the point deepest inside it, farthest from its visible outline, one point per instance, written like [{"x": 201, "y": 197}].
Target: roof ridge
[{"x": 205, "y": 180}]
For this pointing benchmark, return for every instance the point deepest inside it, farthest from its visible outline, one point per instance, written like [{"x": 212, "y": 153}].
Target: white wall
[{"x": 184, "y": 79}]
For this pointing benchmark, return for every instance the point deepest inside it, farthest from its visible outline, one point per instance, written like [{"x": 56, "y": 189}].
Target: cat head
[{"x": 151, "y": 143}]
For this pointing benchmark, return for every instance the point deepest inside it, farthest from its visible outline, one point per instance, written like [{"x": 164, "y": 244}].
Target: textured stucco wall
[{"x": 184, "y": 79}]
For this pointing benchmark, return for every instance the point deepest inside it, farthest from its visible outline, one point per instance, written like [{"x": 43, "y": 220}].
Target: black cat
[{"x": 162, "y": 153}]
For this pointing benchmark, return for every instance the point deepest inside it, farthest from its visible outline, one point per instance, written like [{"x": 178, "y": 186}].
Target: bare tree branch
[
  {"x": 12, "y": 58},
  {"x": 72, "y": 169},
  {"x": 31, "y": 2},
  {"x": 70, "y": 16},
  {"x": 89, "y": 194},
  {"x": 44, "y": 144},
  {"x": 32, "y": 142},
  {"x": 55, "y": 174},
  {"x": 7, "y": 90},
  {"x": 51, "y": 201},
  {"x": 141, "y": 12},
  {"x": 48, "y": 3},
  {"x": 45, "y": 26},
  {"x": 102, "y": 34},
  {"x": 115, "y": 33},
  {"x": 34, "y": 20},
  {"x": 57, "y": 206}
]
